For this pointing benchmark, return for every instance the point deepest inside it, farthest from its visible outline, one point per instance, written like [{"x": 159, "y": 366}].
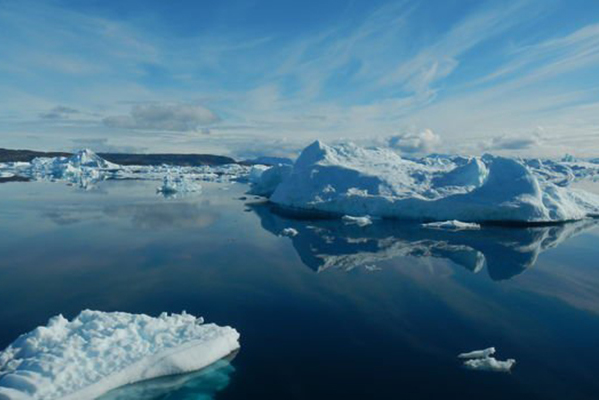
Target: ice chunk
[
  {"x": 478, "y": 353},
  {"x": 177, "y": 184},
  {"x": 348, "y": 179},
  {"x": 490, "y": 364},
  {"x": 265, "y": 181},
  {"x": 482, "y": 360},
  {"x": 99, "y": 351},
  {"x": 289, "y": 232},
  {"x": 360, "y": 221},
  {"x": 452, "y": 225}
]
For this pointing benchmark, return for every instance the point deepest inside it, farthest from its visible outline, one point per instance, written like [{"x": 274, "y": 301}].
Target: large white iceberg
[
  {"x": 348, "y": 179},
  {"x": 98, "y": 351},
  {"x": 482, "y": 360}
]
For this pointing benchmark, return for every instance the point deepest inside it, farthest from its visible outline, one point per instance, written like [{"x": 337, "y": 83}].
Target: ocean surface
[{"x": 338, "y": 311}]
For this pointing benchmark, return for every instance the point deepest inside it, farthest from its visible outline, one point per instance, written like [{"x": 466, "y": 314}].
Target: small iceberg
[
  {"x": 171, "y": 185},
  {"x": 478, "y": 353},
  {"x": 100, "y": 351},
  {"x": 291, "y": 232},
  {"x": 452, "y": 225},
  {"x": 360, "y": 221},
  {"x": 481, "y": 360}
]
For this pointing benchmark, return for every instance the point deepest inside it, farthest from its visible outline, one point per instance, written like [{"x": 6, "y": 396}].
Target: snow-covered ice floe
[
  {"x": 346, "y": 179},
  {"x": 452, "y": 225},
  {"x": 482, "y": 360},
  {"x": 99, "y": 351}
]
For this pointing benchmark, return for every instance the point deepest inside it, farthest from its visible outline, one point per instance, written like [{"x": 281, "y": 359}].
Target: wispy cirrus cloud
[{"x": 470, "y": 73}]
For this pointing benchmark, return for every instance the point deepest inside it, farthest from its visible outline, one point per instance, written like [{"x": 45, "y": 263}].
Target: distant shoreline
[{"x": 191, "y": 160}]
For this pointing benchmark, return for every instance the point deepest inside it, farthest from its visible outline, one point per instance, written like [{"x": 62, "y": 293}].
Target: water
[{"x": 335, "y": 312}]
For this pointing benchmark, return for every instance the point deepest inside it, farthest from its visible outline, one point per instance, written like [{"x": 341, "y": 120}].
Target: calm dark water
[{"x": 335, "y": 312}]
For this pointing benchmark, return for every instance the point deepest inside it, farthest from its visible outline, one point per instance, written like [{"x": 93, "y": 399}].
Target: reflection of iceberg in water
[
  {"x": 506, "y": 252},
  {"x": 200, "y": 385}
]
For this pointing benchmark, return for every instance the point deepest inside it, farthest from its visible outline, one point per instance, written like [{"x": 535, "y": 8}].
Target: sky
[{"x": 253, "y": 77}]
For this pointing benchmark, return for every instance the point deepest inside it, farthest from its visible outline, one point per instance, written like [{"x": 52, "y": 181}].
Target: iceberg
[
  {"x": 346, "y": 179},
  {"x": 171, "y": 185},
  {"x": 100, "y": 351}
]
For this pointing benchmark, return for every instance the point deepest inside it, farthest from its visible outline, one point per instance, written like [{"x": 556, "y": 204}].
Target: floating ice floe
[
  {"x": 452, "y": 225},
  {"x": 478, "y": 353},
  {"x": 482, "y": 360},
  {"x": 347, "y": 179},
  {"x": 98, "y": 351},
  {"x": 360, "y": 221},
  {"x": 289, "y": 232}
]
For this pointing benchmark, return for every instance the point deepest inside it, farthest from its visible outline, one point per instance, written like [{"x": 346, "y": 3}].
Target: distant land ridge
[{"x": 7, "y": 155}]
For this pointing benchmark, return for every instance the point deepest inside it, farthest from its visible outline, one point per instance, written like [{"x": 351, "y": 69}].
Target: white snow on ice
[
  {"x": 346, "y": 179},
  {"x": 99, "y": 351}
]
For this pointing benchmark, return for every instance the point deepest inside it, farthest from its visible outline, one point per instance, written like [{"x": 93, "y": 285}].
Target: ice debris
[
  {"x": 289, "y": 232},
  {"x": 452, "y": 225},
  {"x": 99, "y": 351},
  {"x": 482, "y": 360},
  {"x": 171, "y": 185},
  {"x": 348, "y": 179},
  {"x": 360, "y": 221},
  {"x": 85, "y": 168}
]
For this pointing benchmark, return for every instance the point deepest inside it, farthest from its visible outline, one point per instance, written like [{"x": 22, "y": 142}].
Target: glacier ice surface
[{"x": 100, "y": 351}]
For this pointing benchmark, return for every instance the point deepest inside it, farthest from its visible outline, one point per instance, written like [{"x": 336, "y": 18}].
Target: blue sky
[{"x": 251, "y": 77}]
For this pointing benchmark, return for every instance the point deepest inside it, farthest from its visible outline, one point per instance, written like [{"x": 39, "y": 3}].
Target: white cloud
[
  {"x": 164, "y": 117},
  {"x": 515, "y": 142},
  {"x": 415, "y": 142}
]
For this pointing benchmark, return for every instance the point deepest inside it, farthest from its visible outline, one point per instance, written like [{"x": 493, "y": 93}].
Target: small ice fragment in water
[
  {"x": 490, "y": 364},
  {"x": 452, "y": 224},
  {"x": 481, "y": 360},
  {"x": 360, "y": 221},
  {"x": 289, "y": 232},
  {"x": 478, "y": 353},
  {"x": 371, "y": 268}
]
